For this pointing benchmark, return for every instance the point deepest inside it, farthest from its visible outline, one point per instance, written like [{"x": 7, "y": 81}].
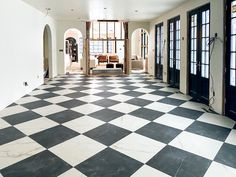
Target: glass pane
[
  {"x": 207, "y": 58},
  {"x": 207, "y": 30},
  {"x": 203, "y": 71},
  {"x": 103, "y": 30},
  {"x": 111, "y": 30},
  {"x": 208, "y": 16},
  {"x": 95, "y": 30},
  {"x": 232, "y": 78},
  {"x": 203, "y": 30},
  {"x": 118, "y": 30},
  {"x": 203, "y": 17},
  {"x": 233, "y": 26},
  {"x": 233, "y": 60},
  {"x": 233, "y": 13},
  {"x": 233, "y": 43}
]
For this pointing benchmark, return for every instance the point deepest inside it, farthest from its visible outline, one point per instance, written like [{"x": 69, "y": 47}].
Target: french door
[
  {"x": 230, "y": 108},
  {"x": 174, "y": 51},
  {"x": 199, "y": 52},
  {"x": 159, "y": 43}
]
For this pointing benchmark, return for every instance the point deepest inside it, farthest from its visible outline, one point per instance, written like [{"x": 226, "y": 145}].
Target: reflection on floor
[{"x": 113, "y": 127}]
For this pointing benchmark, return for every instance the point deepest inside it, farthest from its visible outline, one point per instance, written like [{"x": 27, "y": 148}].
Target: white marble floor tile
[
  {"x": 12, "y": 110},
  {"x": 138, "y": 147},
  {"x": 217, "y": 120},
  {"x": 18, "y": 150},
  {"x": 144, "y": 90},
  {"x": 139, "y": 85},
  {"x": 90, "y": 98},
  {"x": 169, "y": 89},
  {"x": 129, "y": 122},
  {"x": 58, "y": 99},
  {"x": 72, "y": 173},
  {"x": 83, "y": 124},
  {"x": 28, "y": 99},
  {"x": 64, "y": 92},
  {"x": 231, "y": 139},
  {"x": 194, "y": 106},
  {"x": 147, "y": 171},
  {"x": 174, "y": 121},
  {"x": 4, "y": 124},
  {"x": 91, "y": 91},
  {"x": 38, "y": 92},
  {"x": 217, "y": 169},
  {"x": 197, "y": 144},
  {"x": 124, "y": 107},
  {"x": 121, "y": 98},
  {"x": 118, "y": 90},
  {"x": 87, "y": 108},
  {"x": 160, "y": 107},
  {"x": 151, "y": 97},
  {"x": 180, "y": 96},
  {"x": 48, "y": 110},
  {"x": 35, "y": 126},
  {"x": 77, "y": 150}
]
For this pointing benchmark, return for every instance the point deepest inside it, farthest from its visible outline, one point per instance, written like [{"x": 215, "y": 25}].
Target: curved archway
[
  {"x": 139, "y": 50},
  {"x": 73, "y": 51},
  {"x": 47, "y": 53}
]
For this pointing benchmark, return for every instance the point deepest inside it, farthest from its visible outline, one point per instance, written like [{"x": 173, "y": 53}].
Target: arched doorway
[
  {"x": 47, "y": 53},
  {"x": 139, "y": 51},
  {"x": 73, "y": 52}
]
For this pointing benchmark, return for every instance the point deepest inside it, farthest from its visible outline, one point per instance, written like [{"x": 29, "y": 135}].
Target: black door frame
[
  {"x": 158, "y": 70},
  {"x": 227, "y": 89},
  {"x": 175, "y": 84},
  {"x": 200, "y": 98}
]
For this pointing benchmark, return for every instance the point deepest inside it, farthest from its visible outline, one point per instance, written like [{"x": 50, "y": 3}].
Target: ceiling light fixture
[
  {"x": 136, "y": 11},
  {"x": 48, "y": 9}
]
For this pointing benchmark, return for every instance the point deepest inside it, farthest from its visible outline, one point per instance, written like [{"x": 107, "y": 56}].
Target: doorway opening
[
  {"x": 47, "y": 53},
  {"x": 107, "y": 47},
  {"x": 73, "y": 52},
  {"x": 139, "y": 51},
  {"x": 199, "y": 53},
  {"x": 230, "y": 87},
  {"x": 174, "y": 41}
]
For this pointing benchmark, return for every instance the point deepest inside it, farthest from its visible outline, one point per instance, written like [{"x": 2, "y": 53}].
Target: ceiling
[{"x": 83, "y": 10}]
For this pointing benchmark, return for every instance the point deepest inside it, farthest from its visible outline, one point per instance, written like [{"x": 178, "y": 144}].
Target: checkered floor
[{"x": 77, "y": 126}]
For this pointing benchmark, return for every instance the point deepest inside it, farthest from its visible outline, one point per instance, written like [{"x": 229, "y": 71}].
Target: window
[{"x": 144, "y": 44}]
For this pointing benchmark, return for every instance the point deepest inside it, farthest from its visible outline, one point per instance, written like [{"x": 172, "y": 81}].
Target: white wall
[
  {"x": 21, "y": 45},
  {"x": 217, "y": 57},
  {"x": 63, "y": 26},
  {"x": 136, "y": 43}
]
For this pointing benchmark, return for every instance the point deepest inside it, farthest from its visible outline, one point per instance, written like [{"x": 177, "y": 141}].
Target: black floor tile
[
  {"x": 36, "y": 104},
  {"x": 153, "y": 87},
  {"x": 71, "y": 103},
  {"x": 159, "y": 132},
  {"x": 77, "y": 95},
  {"x": 106, "y": 115},
  {"x": 172, "y": 101},
  {"x": 54, "y": 136},
  {"x": 209, "y": 130},
  {"x": 109, "y": 163},
  {"x": 44, "y": 164},
  {"x": 81, "y": 88},
  {"x": 64, "y": 116},
  {"x": 106, "y": 103},
  {"x": 161, "y": 93},
  {"x": 184, "y": 112},
  {"x": 10, "y": 134},
  {"x": 138, "y": 102},
  {"x": 129, "y": 87},
  {"x": 147, "y": 114},
  {"x": 179, "y": 163},
  {"x": 133, "y": 93},
  {"x": 107, "y": 134},
  {"x": 21, "y": 117},
  {"x": 46, "y": 95},
  {"x": 54, "y": 89},
  {"x": 227, "y": 155},
  {"x": 104, "y": 88},
  {"x": 105, "y": 94}
]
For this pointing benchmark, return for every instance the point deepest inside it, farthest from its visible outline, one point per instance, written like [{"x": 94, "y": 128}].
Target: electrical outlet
[{"x": 25, "y": 84}]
